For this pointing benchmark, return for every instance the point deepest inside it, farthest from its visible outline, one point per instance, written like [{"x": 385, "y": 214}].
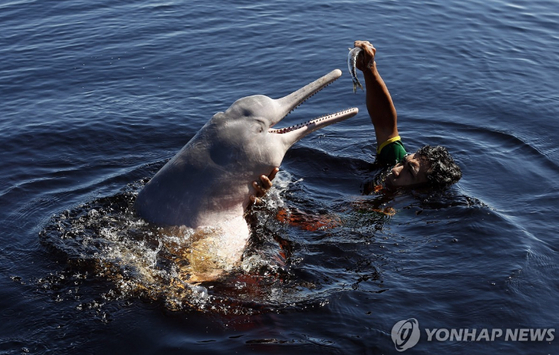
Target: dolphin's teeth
[{"x": 307, "y": 123}]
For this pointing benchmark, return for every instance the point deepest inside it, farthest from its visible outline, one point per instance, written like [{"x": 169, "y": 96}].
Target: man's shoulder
[{"x": 391, "y": 151}]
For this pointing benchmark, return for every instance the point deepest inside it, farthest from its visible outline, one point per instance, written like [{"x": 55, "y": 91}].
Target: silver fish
[{"x": 352, "y": 66}]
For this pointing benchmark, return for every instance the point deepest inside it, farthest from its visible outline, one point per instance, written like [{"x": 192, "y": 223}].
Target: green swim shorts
[{"x": 391, "y": 152}]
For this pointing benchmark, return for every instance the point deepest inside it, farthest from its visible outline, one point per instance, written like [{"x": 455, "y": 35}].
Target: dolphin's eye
[{"x": 260, "y": 125}]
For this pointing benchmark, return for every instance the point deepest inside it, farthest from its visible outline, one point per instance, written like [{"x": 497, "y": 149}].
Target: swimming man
[{"x": 428, "y": 167}]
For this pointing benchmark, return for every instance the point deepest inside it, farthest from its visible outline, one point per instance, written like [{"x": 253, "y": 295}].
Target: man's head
[{"x": 429, "y": 166}]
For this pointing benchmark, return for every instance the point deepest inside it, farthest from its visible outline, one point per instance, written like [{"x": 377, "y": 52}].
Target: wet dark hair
[{"x": 443, "y": 170}]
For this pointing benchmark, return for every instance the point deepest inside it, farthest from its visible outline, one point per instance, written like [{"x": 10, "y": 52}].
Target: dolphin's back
[
  {"x": 192, "y": 189},
  {"x": 169, "y": 198}
]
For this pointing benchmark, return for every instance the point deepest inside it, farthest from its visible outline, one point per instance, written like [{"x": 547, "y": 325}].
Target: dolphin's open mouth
[
  {"x": 334, "y": 117},
  {"x": 293, "y": 100}
]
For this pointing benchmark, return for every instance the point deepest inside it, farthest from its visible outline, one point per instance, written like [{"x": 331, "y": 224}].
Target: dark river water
[{"x": 97, "y": 95}]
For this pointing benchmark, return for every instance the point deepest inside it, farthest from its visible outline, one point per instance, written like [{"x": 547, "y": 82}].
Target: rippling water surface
[{"x": 97, "y": 96}]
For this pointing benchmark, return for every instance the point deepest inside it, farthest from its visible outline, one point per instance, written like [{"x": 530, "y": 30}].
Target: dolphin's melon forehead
[
  {"x": 254, "y": 101},
  {"x": 252, "y": 105}
]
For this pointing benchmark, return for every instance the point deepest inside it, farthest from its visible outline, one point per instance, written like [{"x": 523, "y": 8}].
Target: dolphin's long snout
[
  {"x": 291, "y": 101},
  {"x": 288, "y": 103}
]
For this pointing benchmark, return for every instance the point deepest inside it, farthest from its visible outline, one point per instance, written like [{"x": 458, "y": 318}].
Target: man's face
[{"x": 411, "y": 172}]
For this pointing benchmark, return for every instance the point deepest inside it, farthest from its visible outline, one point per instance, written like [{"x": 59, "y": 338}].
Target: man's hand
[
  {"x": 365, "y": 59},
  {"x": 263, "y": 187}
]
